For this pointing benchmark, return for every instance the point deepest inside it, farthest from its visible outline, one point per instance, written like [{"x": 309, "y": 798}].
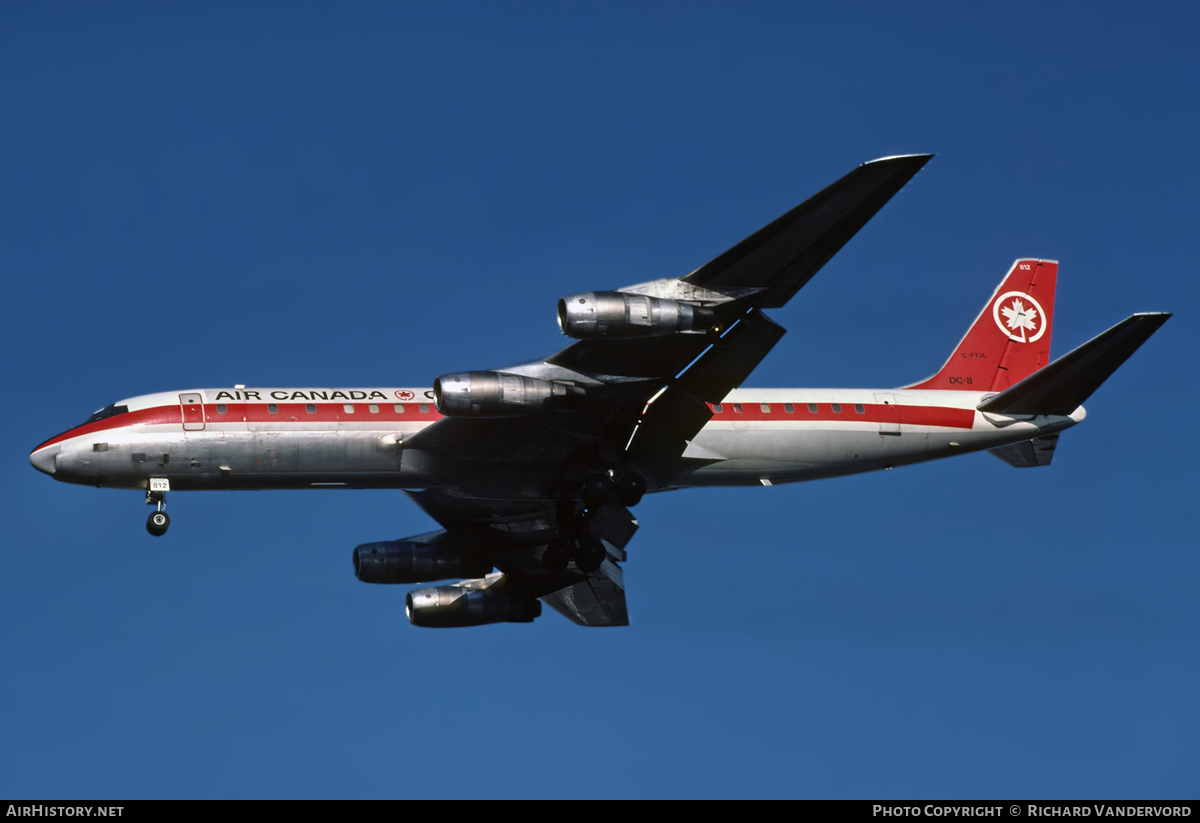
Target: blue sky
[{"x": 197, "y": 196}]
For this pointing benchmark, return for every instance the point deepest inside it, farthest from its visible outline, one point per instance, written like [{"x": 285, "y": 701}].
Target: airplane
[{"x": 531, "y": 470}]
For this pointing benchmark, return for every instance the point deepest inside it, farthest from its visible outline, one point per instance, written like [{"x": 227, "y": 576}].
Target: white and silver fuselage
[{"x": 355, "y": 438}]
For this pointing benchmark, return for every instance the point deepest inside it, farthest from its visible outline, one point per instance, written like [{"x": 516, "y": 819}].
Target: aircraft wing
[
  {"x": 765, "y": 270},
  {"x": 621, "y": 375},
  {"x": 784, "y": 255},
  {"x": 511, "y": 484}
]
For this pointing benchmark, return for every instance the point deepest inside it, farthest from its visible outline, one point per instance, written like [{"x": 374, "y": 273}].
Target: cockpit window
[{"x": 106, "y": 412}]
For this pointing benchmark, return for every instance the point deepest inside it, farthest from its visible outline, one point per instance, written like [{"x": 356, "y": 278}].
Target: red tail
[{"x": 1010, "y": 339}]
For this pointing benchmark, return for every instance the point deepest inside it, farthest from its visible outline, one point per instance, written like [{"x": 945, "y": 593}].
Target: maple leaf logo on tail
[
  {"x": 1022, "y": 315},
  {"x": 1010, "y": 338}
]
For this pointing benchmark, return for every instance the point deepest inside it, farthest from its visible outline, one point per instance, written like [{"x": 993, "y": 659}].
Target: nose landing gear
[{"x": 158, "y": 521}]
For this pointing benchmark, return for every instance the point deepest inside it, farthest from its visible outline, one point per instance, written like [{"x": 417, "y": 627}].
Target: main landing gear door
[
  {"x": 889, "y": 419},
  {"x": 193, "y": 412}
]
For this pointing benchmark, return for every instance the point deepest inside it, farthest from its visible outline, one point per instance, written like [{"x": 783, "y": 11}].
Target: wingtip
[{"x": 916, "y": 159}]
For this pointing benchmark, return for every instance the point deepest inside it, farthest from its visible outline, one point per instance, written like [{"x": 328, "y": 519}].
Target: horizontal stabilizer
[
  {"x": 1062, "y": 386},
  {"x": 1030, "y": 454}
]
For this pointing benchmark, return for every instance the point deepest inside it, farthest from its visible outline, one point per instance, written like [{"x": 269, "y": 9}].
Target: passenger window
[
  {"x": 716, "y": 408},
  {"x": 765, "y": 408},
  {"x": 424, "y": 408},
  {"x": 858, "y": 407},
  {"x": 399, "y": 407},
  {"x": 221, "y": 409},
  {"x": 789, "y": 408},
  {"x": 812, "y": 408},
  {"x": 737, "y": 408},
  {"x": 311, "y": 409},
  {"x": 837, "y": 408},
  {"x": 348, "y": 408},
  {"x": 374, "y": 407},
  {"x": 272, "y": 408}
]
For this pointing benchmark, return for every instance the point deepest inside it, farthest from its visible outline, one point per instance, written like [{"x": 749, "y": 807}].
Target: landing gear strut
[{"x": 158, "y": 521}]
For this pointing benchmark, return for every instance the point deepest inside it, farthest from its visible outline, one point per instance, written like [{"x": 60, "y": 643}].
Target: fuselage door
[
  {"x": 889, "y": 414},
  {"x": 193, "y": 412}
]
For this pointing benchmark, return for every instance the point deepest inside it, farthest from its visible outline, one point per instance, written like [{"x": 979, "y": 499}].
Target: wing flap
[
  {"x": 676, "y": 416},
  {"x": 597, "y": 601},
  {"x": 732, "y": 358}
]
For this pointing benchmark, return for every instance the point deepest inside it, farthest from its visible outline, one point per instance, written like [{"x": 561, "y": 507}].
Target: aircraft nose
[{"x": 43, "y": 459}]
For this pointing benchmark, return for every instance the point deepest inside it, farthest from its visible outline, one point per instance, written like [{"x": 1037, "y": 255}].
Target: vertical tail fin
[{"x": 1010, "y": 339}]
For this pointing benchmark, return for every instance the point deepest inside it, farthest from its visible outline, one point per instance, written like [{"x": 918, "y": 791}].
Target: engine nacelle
[
  {"x": 409, "y": 561},
  {"x": 446, "y": 607},
  {"x": 616, "y": 314},
  {"x": 497, "y": 394}
]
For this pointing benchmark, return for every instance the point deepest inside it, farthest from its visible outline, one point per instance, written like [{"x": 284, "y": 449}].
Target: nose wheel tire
[{"x": 157, "y": 523}]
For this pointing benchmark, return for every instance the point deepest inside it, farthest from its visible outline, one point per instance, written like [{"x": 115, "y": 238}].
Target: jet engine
[
  {"x": 414, "y": 561},
  {"x": 615, "y": 314},
  {"x": 497, "y": 394},
  {"x": 444, "y": 607}
]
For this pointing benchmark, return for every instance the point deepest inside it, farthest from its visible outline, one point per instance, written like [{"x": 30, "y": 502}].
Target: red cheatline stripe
[
  {"x": 872, "y": 413},
  {"x": 142, "y": 417},
  {"x": 334, "y": 412},
  {"x": 254, "y": 413}
]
